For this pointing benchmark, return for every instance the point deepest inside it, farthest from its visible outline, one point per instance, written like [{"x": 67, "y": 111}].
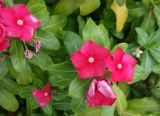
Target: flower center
[
  {"x": 20, "y": 22},
  {"x": 119, "y": 66},
  {"x": 91, "y": 59},
  {"x": 46, "y": 94}
]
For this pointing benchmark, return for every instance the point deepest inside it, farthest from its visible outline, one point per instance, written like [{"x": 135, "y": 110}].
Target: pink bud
[
  {"x": 28, "y": 54},
  {"x": 37, "y": 45}
]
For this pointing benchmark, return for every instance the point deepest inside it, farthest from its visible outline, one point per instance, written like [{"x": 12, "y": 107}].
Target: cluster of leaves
[{"x": 66, "y": 25}]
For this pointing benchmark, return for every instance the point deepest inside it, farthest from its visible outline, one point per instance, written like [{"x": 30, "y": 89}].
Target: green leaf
[
  {"x": 154, "y": 38},
  {"x": 156, "y": 92},
  {"x": 17, "y": 55},
  {"x": 24, "y": 77},
  {"x": 8, "y": 101},
  {"x": 78, "y": 105},
  {"x": 39, "y": 10},
  {"x": 98, "y": 111},
  {"x": 63, "y": 104},
  {"x": 92, "y": 32},
  {"x": 120, "y": 2},
  {"x": 48, "y": 39},
  {"x": 139, "y": 74},
  {"x": 107, "y": 43},
  {"x": 143, "y": 37},
  {"x": 31, "y": 104},
  {"x": 4, "y": 67},
  {"x": 148, "y": 23},
  {"x": 48, "y": 109},
  {"x": 60, "y": 95},
  {"x": 42, "y": 60},
  {"x": 55, "y": 23},
  {"x": 10, "y": 86},
  {"x": 78, "y": 88},
  {"x": 26, "y": 91},
  {"x": 144, "y": 105},
  {"x": 66, "y": 7},
  {"x": 62, "y": 74},
  {"x": 9, "y": 2},
  {"x": 147, "y": 62},
  {"x": 81, "y": 24},
  {"x": 156, "y": 11},
  {"x": 125, "y": 88},
  {"x": 156, "y": 69},
  {"x": 154, "y": 51},
  {"x": 129, "y": 112},
  {"x": 121, "y": 101},
  {"x": 123, "y": 46},
  {"x": 89, "y": 6},
  {"x": 72, "y": 41}
]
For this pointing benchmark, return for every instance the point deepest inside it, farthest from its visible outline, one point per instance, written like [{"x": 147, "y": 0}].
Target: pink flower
[
  {"x": 100, "y": 93},
  {"x": 4, "y": 43},
  {"x": 121, "y": 66},
  {"x": 19, "y": 22},
  {"x": 90, "y": 60},
  {"x": 43, "y": 96}
]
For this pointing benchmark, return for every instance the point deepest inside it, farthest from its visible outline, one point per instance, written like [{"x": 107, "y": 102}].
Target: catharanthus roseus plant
[{"x": 102, "y": 56}]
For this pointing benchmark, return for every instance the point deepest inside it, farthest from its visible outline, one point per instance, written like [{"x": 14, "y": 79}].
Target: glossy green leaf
[
  {"x": 17, "y": 55},
  {"x": 92, "y": 32},
  {"x": 42, "y": 60},
  {"x": 9, "y": 2},
  {"x": 31, "y": 104},
  {"x": 8, "y": 101},
  {"x": 66, "y": 7},
  {"x": 48, "y": 39},
  {"x": 148, "y": 23},
  {"x": 72, "y": 41},
  {"x": 156, "y": 92},
  {"x": 139, "y": 74},
  {"x": 98, "y": 111},
  {"x": 81, "y": 24},
  {"x": 123, "y": 46},
  {"x": 147, "y": 62},
  {"x": 4, "y": 67},
  {"x": 121, "y": 101},
  {"x": 62, "y": 74},
  {"x": 157, "y": 13},
  {"x": 55, "y": 23},
  {"x": 86, "y": 7},
  {"x": 38, "y": 9},
  {"x": 156, "y": 69},
  {"x": 144, "y": 105},
  {"x": 78, "y": 105},
  {"x": 24, "y": 77},
  {"x": 143, "y": 37},
  {"x": 63, "y": 104},
  {"x": 78, "y": 88},
  {"x": 48, "y": 108}
]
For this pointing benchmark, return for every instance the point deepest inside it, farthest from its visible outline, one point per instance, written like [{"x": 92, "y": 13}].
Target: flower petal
[
  {"x": 105, "y": 89},
  {"x": 7, "y": 16},
  {"x": 37, "y": 93},
  {"x": 47, "y": 88},
  {"x": 87, "y": 49},
  {"x": 27, "y": 33},
  {"x": 111, "y": 65},
  {"x": 118, "y": 55},
  {"x": 128, "y": 61},
  {"x": 4, "y": 45},
  {"x": 20, "y": 10},
  {"x": 78, "y": 59},
  {"x": 32, "y": 21},
  {"x": 13, "y": 31},
  {"x": 101, "y": 52},
  {"x": 124, "y": 75},
  {"x": 92, "y": 88},
  {"x": 94, "y": 69}
]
